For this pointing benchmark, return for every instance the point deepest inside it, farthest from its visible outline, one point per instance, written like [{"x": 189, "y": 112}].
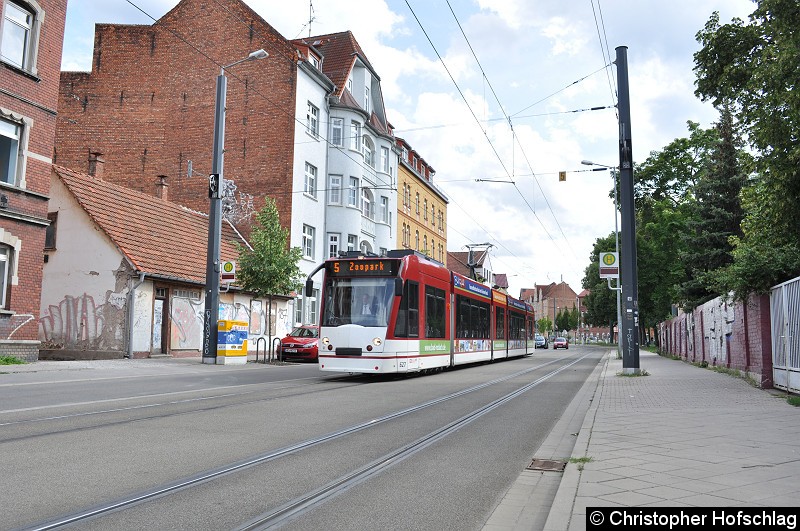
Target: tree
[
  {"x": 544, "y": 325},
  {"x": 715, "y": 216},
  {"x": 562, "y": 320},
  {"x": 269, "y": 267},
  {"x": 754, "y": 68}
]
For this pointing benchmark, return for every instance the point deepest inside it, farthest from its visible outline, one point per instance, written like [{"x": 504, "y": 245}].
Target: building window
[
  {"x": 350, "y": 85},
  {"x": 425, "y": 210},
  {"x": 311, "y": 180},
  {"x": 352, "y": 242},
  {"x": 367, "y": 106},
  {"x": 335, "y": 189},
  {"x": 425, "y": 244},
  {"x": 333, "y": 245},
  {"x": 337, "y": 131},
  {"x": 352, "y": 193},
  {"x": 10, "y": 137},
  {"x": 6, "y": 257},
  {"x": 20, "y": 35},
  {"x": 312, "y": 120},
  {"x": 308, "y": 242},
  {"x": 385, "y": 159},
  {"x": 417, "y": 205},
  {"x": 314, "y": 61},
  {"x": 298, "y": 310},
  {"x": 312, "y": 306},
  {"x": 416, "y": 241},
  {"x": 368, "y": 150},
  {"x": 355, "y": 135},
  {"x": 366, "y": 203},
  {"x": 384, "y": 209},
  {"x": 50, "y": 232},
  {"x": 383, "y": 251},
  {"x": 405, "y": 153}
]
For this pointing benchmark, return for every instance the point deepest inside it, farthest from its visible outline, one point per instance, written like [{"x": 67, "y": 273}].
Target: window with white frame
[
  {"x": 425, "y": 244},
  {"x": 384, "y": 209},
  {"x": 333, "y": 245},
  {"x": 350, "y": 85},
  {"x": 337, "y": 131},
  {"x": 312, "y": 120},
  {"x": 20, "y": 34},
  {"x": 383, "y": 251},
  {"x": 335, "y": 189},
  {"x": 405, "y": 153},
  {"x": 385, "y": 159},
  {"x": 311, "y": 180},
  {"x": 416, "y": 240},
  {"x": 352, "y": 193},
  {"x": 6, "y": 258},
  {"x": 10, "y": 152},
  {"x": 367, "y": 106},
  {"x": 298, "y": 310},
  {"x": 355, "y": 135},
  {"x": 425, "y": 210},
  {"x": 352, "y": 242},
  {"x": 312, "y": 306},
  {"x": 314, "y": 61},
  {"x": 367, "y": 208},
  {"x": 308, "y": 241},
  {"x": 417, "y": 204},
  {"x": 368, "y": 150}
]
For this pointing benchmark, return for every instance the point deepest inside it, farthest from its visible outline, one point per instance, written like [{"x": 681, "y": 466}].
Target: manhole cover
[{"x": 547, "y": 465}]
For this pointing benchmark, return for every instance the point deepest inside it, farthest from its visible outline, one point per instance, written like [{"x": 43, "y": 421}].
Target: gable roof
[
  {"x": 339, "y": 51},
  {"x": 501, "y": 280},
  {"x": 158, "y": 238}
]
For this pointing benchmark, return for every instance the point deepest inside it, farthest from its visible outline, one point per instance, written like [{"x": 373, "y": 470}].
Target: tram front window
[{"x": 362, "y": 301}]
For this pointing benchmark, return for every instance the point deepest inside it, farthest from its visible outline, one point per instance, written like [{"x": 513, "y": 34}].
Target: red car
[
  {"x": 560, "y": 342},
  {"x": 301, "y": 343}
]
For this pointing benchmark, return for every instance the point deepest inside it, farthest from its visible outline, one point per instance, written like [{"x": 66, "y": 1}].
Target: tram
[{"x": 405, "y": 313}]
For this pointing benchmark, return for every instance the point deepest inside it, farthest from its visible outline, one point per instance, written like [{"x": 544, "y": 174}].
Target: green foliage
[
  {"x": 11, "y": 360},
  {"x": 544, "y": 325},
  {"x": 754, "y": 67},
  {"x": 270, "y": 267}
]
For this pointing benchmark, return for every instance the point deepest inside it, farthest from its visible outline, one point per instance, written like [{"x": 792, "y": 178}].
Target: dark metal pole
[
  {"x": 629, "y": 327},
  {"x": 215, "y": 186}
]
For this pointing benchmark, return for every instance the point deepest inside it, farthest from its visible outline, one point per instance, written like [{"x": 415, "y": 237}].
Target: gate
[{"x": 785, "y": 322}]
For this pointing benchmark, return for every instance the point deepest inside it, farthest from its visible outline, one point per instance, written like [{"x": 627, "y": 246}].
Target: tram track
[{"x": 312, "y": 499}]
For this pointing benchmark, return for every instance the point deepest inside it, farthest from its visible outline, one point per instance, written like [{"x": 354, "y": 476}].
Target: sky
[{"x": 496, "y": 96}]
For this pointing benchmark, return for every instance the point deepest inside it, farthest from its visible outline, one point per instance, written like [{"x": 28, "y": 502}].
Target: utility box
[{"x": 231, "y": 342}]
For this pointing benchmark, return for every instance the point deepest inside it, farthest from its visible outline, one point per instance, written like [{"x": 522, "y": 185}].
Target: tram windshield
[{"x": 360, "y": 300}]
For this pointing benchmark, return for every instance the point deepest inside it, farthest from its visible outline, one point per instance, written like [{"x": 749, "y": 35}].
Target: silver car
[{"x": 541, "y": 341}]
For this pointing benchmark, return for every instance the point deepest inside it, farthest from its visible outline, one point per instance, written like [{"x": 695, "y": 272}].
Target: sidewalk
[{"x": 682, "y": 436}]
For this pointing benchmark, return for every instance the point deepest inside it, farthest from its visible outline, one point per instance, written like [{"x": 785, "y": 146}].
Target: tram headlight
[
  {"x": 377, "y": 341},
  {"x": 325, "y": 340}
]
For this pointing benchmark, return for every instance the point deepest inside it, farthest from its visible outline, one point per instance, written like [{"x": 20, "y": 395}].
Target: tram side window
[
  {"x": 472, "y": 317},
  {"x": 407, "y": 324},
  {"x": 500, "y": 324},
  {"x": 434, "y": 312},
  {"x": 516, "y": 325}
]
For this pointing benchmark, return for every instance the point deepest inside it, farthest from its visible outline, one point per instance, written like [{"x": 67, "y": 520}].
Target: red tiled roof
[
  {"x": 157, "y": 237},
  {"x": 338, "y": 50},
  {"x": 501, "y": 280}
]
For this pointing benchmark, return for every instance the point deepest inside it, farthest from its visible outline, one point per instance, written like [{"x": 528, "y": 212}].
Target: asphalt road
[{"x": 448, "y": 445}]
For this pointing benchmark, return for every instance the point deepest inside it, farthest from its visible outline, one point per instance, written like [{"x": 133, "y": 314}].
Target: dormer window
[
  {"x": 350, "y": 85},
  {"x": 314, "y": 61},
  {"x": 367, "y": 106}
]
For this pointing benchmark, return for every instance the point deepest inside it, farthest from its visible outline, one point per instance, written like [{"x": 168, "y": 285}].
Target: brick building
[
  {"x": 31, "y": 39},
  {"x": 146, "y": 109}
]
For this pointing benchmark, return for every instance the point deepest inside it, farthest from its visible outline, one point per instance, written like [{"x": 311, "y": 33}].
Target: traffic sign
[
  {"x": 609, "y": 265},
  {"x": 228, "y": 271}
]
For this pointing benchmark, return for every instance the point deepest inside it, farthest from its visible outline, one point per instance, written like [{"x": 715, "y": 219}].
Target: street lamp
[
  {"x": 215, "y": 188},
  {"x": 618, "y": 289}
]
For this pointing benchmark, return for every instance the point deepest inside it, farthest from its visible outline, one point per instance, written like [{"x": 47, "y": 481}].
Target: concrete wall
[{"x": 719, "y": 333}]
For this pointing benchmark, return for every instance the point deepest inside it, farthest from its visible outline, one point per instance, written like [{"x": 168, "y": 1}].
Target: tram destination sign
[{"x": 378, "y": 267}]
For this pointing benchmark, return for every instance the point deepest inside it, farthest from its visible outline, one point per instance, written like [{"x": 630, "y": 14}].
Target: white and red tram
[{"x": 406, "y": 313}]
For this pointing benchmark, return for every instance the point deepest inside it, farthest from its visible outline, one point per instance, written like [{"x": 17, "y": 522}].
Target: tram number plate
[
  {"x": 402, "y": 364},
  {"x": 290, "y": 350}
]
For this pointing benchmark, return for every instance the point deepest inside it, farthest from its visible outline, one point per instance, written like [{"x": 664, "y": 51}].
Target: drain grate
[{"x": 547, "y": 465}]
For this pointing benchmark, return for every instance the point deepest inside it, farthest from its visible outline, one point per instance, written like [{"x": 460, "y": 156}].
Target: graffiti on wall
[
  {"x": 78, "y": 322},
  {"x": 186, "y": 330}
]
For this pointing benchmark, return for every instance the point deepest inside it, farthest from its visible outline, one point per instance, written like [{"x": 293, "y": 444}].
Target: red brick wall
[
  {"x": 35, "y": 98},
  {"x": 748, "y": 347},
  {"x": 148, "y": 104}
]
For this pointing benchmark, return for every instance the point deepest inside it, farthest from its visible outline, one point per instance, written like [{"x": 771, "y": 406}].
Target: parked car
[
  {"x": 541, "y": 341},
  {"x": 301, "y": 343},
  {"x": 560, "y": 342}
]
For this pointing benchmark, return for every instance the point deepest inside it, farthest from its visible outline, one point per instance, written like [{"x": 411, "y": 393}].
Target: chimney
[
  {"x": 161, "y": 187},
  {"x": 96, "y": 164}
]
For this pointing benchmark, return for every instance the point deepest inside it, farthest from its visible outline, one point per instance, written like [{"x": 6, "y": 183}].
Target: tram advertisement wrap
[{"x": 432, "y": 347}]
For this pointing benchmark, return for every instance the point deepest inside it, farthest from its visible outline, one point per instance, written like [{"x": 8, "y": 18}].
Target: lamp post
[
  {"x": 215, "y": 188},
  {"x": 618, "y": 289}
]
